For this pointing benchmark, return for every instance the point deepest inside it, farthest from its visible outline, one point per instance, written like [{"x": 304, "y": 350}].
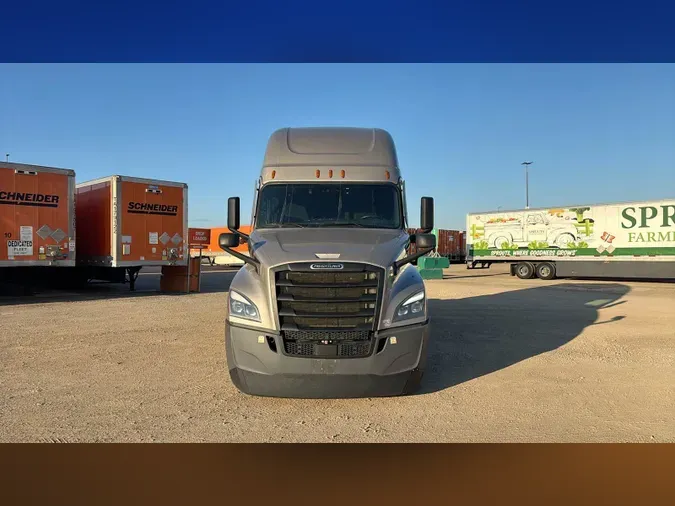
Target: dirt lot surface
[{"x": 510, "y": 360}]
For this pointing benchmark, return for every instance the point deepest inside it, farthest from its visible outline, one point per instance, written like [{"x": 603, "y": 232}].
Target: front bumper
[{"x": 256, "y": 369}]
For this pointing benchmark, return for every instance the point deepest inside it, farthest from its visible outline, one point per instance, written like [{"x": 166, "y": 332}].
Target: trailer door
[
  {"x": 153, "y": 223},
  {"x": 35, "y": 215}
]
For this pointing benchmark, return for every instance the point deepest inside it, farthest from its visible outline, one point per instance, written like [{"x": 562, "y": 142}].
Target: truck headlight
[
  {"x": 241, "y": 307},
  {"x": 412, "y": 307}
]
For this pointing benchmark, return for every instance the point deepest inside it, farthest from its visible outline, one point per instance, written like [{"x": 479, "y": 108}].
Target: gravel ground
[{"x": 510, "y": 360}]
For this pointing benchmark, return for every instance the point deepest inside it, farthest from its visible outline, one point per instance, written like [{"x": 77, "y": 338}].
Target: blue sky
[{"x": 595, "y": 132}]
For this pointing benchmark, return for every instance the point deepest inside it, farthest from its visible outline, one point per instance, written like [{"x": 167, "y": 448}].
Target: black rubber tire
[
  {"x": 525, "y": 270},
  {"x": 546, "y": 271}
]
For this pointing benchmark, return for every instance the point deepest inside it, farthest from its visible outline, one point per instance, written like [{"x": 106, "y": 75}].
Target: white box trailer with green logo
[{"x": 629, "y": 240}]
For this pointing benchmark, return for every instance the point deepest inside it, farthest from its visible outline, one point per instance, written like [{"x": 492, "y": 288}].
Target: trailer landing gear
[
  {"x": 133, "y": 276},
  {"x": 475, "y": 265}
]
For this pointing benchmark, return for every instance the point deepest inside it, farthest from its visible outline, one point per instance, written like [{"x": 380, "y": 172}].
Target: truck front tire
[{"x": 524, "y": 270}]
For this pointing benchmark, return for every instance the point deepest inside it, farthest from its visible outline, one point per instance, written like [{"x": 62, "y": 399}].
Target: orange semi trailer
[
  {"x": 37, "y": 218},
  {"x": 126, "y": 223},
  {"x": 212, "y": 251}
]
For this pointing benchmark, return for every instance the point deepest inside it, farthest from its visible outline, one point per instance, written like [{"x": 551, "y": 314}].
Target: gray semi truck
[{"x": 327, "y": 303}]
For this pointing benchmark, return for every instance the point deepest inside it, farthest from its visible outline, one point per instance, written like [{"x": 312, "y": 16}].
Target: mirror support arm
[
  {"x": 240, "y": 234},
  {"x": 400, "y": 263},
  {"x": 245, "y": 258}
]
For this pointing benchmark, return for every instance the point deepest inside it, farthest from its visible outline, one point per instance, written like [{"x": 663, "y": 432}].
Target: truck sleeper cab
[{"x": 327, "y": 304}]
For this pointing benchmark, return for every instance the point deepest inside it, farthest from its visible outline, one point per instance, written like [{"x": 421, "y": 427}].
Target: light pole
[{"x": 527, "y": 184}]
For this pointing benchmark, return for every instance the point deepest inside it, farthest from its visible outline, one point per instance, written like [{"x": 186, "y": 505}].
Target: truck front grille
[
  {"x": 345, "y": 350},
  {"x": 328, "y": 314}
]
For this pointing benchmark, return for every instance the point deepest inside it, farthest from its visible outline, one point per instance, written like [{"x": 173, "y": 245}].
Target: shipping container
[
  {"x": 37, "y": 216},
  {"x": 449, "y": 244},
  {"x": 628, "y": 240},
  {"x": 128, "y": 223}
]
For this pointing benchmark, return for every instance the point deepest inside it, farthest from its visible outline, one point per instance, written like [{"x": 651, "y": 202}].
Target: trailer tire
[
  {"x": 525, "y": 270},
  {"x": 546, "y": 271}
]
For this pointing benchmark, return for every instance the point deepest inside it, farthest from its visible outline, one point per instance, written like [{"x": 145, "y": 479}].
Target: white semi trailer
[{"x": 629, "y": 240}]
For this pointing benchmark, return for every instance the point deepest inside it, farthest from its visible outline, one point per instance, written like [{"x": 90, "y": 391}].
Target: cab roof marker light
[
  {"x": 330, "y": 173},
  {"x": 342, "y": 173},
  {"x": 274, "y": 173},
  {"x": 387, "y": 174},
  {"x": 318, "y": 173}
]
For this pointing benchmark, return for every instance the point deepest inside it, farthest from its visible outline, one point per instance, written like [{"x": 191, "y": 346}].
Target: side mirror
[
  {"x": 233, "y": 213},
  {"x": 227, "y": 240},
  {"x": 425, "y": 241},
  {"x": 427, "y": 215}
]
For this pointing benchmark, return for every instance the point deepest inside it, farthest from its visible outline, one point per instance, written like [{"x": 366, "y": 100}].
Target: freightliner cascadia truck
[
  {"x": 630, "y": 240},
  {"x": 327, "y": 304}
]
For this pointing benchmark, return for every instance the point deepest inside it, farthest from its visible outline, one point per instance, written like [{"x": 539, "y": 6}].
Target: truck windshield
[{"x": 329, "y": 205}]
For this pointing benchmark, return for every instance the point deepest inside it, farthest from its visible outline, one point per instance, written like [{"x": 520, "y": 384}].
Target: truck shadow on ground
[
  {"x": 214, "y": 280},
  {"x": 476, "y": 336}
]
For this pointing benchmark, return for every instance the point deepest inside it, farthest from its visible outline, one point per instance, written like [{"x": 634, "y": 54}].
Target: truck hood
[{"x": 373, "y": 246}]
